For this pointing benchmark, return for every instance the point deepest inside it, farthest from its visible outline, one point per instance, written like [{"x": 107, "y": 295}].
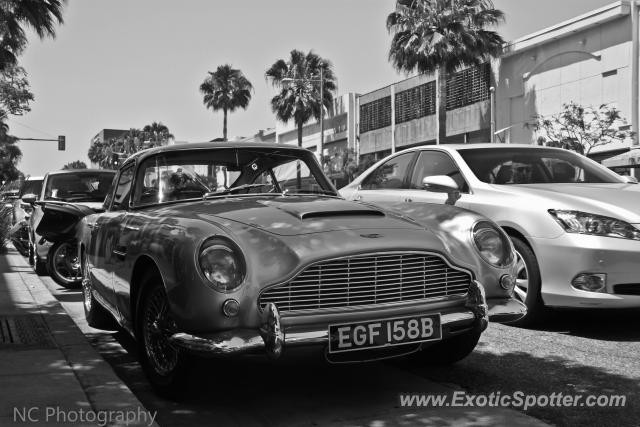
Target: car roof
[
  {"x": 211, "y": 145},
  {"x": 81, "y": 171},
  {"x": 485, "y": 145}
]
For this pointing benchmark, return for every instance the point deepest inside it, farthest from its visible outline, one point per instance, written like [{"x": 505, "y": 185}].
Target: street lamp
[{"x": 321, "y": 80}]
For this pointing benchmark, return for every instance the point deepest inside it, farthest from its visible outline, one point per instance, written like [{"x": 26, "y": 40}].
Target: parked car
[
  {"x": 56, "y": 253},
  {"x": 229, "y": 248},
  {"x": 19, "y": 233},
  {"x": 573, "y": 222}
]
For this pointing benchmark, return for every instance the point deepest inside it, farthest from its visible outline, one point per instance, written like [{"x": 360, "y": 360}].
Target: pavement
[{"x": 49, "y": 373}]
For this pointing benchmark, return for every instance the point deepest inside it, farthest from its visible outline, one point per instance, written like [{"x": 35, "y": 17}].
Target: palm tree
[
  {"x": 156, "y": 133},
  {"x": 41, "y": 16},
  {"x": 299, "y": 83},
  {"x": 443, "y": 36},
  {"x": 226, "y": 89}
]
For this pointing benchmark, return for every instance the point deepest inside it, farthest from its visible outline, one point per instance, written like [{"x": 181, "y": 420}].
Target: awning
[{"x": 629, "y": 159}]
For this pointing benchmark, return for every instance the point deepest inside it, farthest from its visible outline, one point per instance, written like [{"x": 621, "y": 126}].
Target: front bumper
[
  {"x": 563, "y": 258},
  {"x": 272, "y": 337}
]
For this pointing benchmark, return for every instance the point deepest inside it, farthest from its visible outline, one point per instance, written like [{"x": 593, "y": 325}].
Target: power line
[{"x": 31, "y": 128}]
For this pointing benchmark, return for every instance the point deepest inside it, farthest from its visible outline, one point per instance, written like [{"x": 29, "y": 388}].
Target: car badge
[{"x": 371, "y": 236}]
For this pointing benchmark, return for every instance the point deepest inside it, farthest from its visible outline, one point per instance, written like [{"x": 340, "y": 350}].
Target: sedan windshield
[
  {"x": 78, "y": 186},
  {"x": 529, "y": 165},
  {"x": 211, "y": 173}
]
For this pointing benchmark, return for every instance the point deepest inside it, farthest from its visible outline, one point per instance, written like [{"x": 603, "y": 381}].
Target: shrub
[{"x": 5, "y": 225}]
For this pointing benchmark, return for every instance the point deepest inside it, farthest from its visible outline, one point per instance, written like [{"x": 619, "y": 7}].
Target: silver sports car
[{"x": 574, "y": 223}]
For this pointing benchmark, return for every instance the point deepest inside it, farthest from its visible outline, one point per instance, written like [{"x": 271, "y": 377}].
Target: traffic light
[{"x": 61, "y": 143}]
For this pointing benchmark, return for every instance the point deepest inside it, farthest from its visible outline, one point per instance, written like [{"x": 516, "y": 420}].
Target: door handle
[{"x": 120, "y": 252}]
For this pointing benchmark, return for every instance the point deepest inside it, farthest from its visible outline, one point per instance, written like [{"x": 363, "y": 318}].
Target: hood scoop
[{"x": 324, "y": 209}]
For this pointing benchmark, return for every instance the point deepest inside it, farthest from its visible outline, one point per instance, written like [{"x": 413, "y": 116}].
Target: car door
[
  {"x": 385, "y": 183},
  {"x": 431, "y": 163},
  {"x": 111, "y": 248}
]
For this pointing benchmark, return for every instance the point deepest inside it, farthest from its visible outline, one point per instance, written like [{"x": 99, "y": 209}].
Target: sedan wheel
[
  {"x": 64, "y": 265},
  {"x": 528, "y": 283},
  {"x": 522, "y": 279},
  {"x": 166, "y": 365},
  {"x": 97, "y": 316}
]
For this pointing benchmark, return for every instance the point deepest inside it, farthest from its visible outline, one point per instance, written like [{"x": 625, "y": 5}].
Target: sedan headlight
[
  {"x": 493, "y": 244},
  {"x": 596, "y": 225},
  {"x": 222, "y": 264}
]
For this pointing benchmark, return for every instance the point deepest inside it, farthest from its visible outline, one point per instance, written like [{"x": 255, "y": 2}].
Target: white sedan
[{"x": 574, "y": 223}]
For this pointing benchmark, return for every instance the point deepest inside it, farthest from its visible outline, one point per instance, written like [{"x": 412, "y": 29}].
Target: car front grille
[{"x": 380, "y": 278}]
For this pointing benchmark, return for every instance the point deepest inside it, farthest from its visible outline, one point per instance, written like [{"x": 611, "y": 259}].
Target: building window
[
  {"x": 375, "y": 114},
  {"x": 419, "y": 101},
  {"x": 468, "y": 86}
]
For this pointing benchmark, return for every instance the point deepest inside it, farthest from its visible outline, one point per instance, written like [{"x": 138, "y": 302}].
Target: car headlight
[
  {"x": 492, "y": 243},
  {"x": 596, "y": 225},
  {"x": 222, "y": 264}
]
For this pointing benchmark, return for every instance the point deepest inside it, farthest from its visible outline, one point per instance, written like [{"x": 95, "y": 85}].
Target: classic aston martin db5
[{"x": 228, "y": 248}]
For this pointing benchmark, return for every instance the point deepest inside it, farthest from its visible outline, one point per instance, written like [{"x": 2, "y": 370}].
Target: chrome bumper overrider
[{"x": 271, "y": 338}]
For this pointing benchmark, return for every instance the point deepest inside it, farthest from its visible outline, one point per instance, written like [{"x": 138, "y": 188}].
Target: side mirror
[
  {"x": 442, "y": 184},
  {"x": 630, "y": 179},
  {"x": 29, "y": 198}
]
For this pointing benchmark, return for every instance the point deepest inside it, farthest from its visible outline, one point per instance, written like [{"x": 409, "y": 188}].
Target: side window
[
  {"x": 389, "y": 175},
  {"x": 432, "y": 163},
  {"x": 123, "y": 189}
]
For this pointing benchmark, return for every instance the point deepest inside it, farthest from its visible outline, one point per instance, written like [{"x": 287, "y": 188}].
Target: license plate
[{"x": 384, "y": 333}]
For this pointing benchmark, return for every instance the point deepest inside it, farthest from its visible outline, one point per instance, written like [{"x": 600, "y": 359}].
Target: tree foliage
[
  {"x": 10, "y": 153},
  {"x": 16, "y": 16},
  {"x": 76, "y": 164},
  {"x": 226, "y": 89},
  {"x": 110, "y": 153},
  {"x": 444, "y": 36},
  {"x": 581, "y": 128},
  {"x": 298, "y": 79}
]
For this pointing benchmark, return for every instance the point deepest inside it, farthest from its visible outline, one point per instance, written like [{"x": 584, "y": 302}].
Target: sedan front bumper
[{"x": 272, "y": 338}]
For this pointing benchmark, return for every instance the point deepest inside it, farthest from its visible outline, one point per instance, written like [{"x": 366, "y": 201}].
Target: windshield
[
  {"x": 523, "y": 165},
  {"x": 210, "y": 173},
  {"x": 31, "y": 186},
  {"x": 78, "y": 186}
]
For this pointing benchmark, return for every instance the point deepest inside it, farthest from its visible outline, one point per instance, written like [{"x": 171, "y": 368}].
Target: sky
[{"x": 121, "y": 64}]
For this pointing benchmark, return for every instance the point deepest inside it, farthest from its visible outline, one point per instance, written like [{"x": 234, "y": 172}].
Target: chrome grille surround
[{"x": 369, "y": 279}]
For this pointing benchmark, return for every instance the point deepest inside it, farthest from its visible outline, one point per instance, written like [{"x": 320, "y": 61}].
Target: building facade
[{"x": 587, "y": 60}]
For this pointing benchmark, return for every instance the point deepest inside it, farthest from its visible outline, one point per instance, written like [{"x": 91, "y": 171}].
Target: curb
[{"x": 104, "y": 390}]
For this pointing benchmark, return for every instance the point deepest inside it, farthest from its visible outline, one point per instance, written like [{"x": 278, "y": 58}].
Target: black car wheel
[
  {"x": 64, "y": 265},
  {"x": 165, "y": 365},
  {"x": 97, "y": 316},
  {"x": 527, "y": 289},
  {"x": 39, "y": 266}
]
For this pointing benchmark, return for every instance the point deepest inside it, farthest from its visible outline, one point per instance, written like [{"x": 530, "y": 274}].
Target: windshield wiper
[{"x": 231, "y": 189}]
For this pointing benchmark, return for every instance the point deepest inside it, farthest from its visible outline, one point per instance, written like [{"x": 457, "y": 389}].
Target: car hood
[
  {"x": 295, "y": 215},
  {"x": 619, "y": 200}
]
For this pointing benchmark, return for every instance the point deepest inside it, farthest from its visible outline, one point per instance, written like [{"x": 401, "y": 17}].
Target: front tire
[
  {"x": 64, "y": 266},
  {"x": 165, "y": 365},
  {"x": 97, "y": 316},
  {"x": 528, "y": 283},
  {"x": 39, "y": 266}
]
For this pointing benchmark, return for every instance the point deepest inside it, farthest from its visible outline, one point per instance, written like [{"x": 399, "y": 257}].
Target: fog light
[
  {"x": 507, "y": 282},
  {"x": 230, "y": 308},
  {"x": 590, "y": 282}
]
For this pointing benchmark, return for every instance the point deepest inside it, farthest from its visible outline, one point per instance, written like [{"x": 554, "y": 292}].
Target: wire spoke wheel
[{"x": 157, "y": 327}]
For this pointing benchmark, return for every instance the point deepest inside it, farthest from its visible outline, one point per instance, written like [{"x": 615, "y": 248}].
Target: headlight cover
[
  {"x": 595, "y": 225},
  {"x": 222, "y": 264},
  {"x": 493, "y": 244}
]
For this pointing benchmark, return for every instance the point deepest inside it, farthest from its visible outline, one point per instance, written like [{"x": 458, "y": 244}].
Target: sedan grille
[{"x": 366, "y": 280}]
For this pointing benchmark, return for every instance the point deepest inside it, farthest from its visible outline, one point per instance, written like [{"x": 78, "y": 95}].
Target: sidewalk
[{"x": 49, "y": 373}]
